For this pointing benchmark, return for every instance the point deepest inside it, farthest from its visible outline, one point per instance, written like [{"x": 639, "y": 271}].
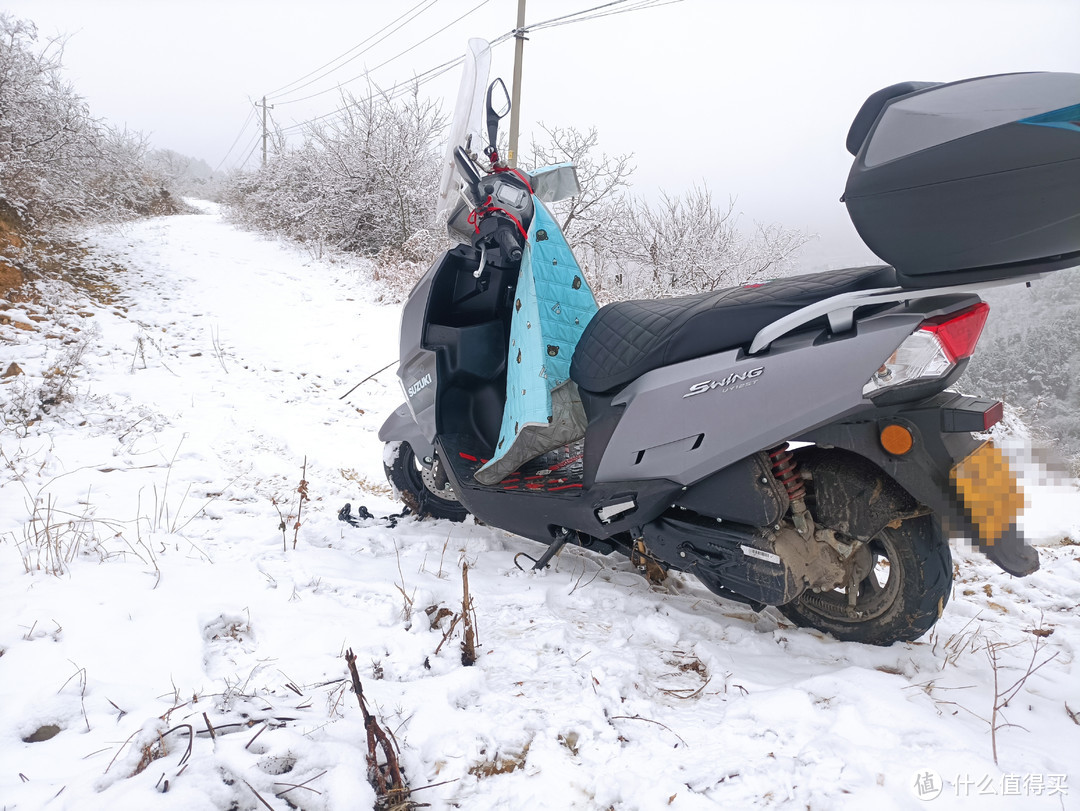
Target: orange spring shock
[{"x": 785, "y": 471}]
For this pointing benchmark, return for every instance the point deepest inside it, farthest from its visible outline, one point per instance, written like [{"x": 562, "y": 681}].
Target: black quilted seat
[{"x": 627, "y": 339}]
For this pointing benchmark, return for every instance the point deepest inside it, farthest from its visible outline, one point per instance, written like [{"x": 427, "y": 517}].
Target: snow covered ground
[{"x": 147, "y": 589}]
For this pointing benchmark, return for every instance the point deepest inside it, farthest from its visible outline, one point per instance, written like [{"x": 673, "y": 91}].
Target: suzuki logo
[{"x": 419, "y": 385}]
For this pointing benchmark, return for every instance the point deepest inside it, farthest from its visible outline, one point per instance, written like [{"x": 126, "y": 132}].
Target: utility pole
[
  {"x": 515, "y": 92},
  {"x": 264, "y": 109}
]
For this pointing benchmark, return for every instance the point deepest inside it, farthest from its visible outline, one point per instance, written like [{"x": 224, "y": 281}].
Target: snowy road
[{"x": 178, "y": 601}]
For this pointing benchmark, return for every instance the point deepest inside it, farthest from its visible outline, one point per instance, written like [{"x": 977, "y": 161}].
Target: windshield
[{"x": 468, "y": 118}]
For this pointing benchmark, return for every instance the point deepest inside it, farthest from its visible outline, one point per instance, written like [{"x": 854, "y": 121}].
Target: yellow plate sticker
[{"x": 990, "y": 491}]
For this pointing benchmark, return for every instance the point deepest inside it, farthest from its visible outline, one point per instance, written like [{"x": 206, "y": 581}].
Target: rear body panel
[{"x": 684, "y": 422}]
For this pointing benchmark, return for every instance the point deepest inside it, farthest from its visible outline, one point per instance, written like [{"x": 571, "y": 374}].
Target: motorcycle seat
[{"x": 626, "y": 339}]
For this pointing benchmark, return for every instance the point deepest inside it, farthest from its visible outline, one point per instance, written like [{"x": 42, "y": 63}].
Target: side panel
[
  {"x": 685, "y": 421},
  {"x": 401, "y": 427},
  {"x": 746, "y": 492},
  {"x": 418, "y": 369}
]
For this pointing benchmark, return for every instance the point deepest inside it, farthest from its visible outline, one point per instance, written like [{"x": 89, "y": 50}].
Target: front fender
[{"x": 401, "y": 427}]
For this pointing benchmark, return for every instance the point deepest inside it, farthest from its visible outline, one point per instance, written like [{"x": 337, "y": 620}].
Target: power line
[
  {"x": 395, "y": 92},
  {"x": 405, "y": 87},
  {"x": 392, "y": 58},
  {"x": 577, "y": 17},
  {"x": 429, "y": 3},
  {"x": 249, "y": 148},
  {"x": 595, "y": 12},
  {"x": 239, "y": 135},
  {"x": 572, "y": 14}
]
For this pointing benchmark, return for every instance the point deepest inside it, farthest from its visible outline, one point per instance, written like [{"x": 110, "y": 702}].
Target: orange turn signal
[{"x": 897, "y": 439}]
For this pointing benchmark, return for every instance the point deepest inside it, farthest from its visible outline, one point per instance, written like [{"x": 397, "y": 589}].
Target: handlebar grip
[{"x": 508, "y": 243}]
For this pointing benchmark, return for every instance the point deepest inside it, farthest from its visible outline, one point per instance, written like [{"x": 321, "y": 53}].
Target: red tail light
[
  {"x": 932, "y": 351},
  {"x": 960, "y": 332}
]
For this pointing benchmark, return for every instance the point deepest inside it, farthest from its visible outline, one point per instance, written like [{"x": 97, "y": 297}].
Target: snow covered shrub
[
  {"x": 57, "y": 163},
  {"x": 594, "y": 221},
  {"x": 120, "y": 183},
  {"x": 364, "y": 181},
  {"x": 689, "y": 244},
  {"x": 31, "y": 397},
  {"x": 184, "y": 175},
  {"x": 398, "y": 268},
  {"x": 45, "y": 128}
]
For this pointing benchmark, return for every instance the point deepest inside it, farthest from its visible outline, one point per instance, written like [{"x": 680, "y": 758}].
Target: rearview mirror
[{"x": 498, "y": 106}]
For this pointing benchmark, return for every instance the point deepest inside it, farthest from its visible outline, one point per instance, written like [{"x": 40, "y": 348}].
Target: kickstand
[{"x": 556, "y": 546}]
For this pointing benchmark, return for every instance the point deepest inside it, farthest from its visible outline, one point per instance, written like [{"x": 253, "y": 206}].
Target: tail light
[{"x": 933, "y": 350}]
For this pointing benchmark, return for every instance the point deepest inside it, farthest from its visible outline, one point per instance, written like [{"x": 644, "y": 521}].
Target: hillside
[{"x": 170, "y": 639}]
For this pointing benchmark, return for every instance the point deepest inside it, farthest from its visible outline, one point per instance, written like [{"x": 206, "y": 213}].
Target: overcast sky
[{"x": 752, "y": 98}]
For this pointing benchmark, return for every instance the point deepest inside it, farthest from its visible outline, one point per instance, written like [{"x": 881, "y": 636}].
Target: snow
[{"x": 208, "y": 382}]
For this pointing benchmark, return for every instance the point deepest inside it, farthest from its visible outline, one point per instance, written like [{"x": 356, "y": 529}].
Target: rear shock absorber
[{"x": 787, "y": 473}]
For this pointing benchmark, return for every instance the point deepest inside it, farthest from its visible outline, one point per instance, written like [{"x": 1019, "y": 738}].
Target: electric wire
[
  {"x": 578, "y": 16},
  {"x": 239, "y": 135},
  {"x": 367, "y": 72},
  {"x": 282, "y": 90},
  {"x": 595, "y": 12},
  {"x": 546, "y": 23},
  {"x": 254, "y": 145},
  {"x": 403, "y": 88},
  {"x": 395, "y": 92}
]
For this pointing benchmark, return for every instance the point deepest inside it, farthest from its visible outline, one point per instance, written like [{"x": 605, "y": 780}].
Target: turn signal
[{"x": 896, "y": 439}]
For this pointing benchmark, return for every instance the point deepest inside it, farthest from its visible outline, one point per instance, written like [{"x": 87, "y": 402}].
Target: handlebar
[
  {"x": 508, "y": 243},
  {"x": 467, "y": 169}
]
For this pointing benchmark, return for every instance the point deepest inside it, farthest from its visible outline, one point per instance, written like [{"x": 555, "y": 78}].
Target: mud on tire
[
  {"x": 416, "y": 485},
  {"x": 900, "y": 598}
]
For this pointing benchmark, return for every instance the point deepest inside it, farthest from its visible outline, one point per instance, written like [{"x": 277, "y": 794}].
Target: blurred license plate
[{"x": 990, "y": 491}]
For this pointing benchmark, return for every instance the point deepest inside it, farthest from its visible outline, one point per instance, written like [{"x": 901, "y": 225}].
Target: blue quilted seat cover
[{"x": 553, "y": 306}]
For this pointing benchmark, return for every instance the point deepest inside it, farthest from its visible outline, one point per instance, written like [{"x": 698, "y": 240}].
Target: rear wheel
[
  {"x": 418, "y": 486},
  {"x": 901, "y": 579}
]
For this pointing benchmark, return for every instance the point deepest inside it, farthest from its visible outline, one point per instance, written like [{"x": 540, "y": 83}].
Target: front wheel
[
  {"x": 417, "y": 485},
  {"x": 902, "y": 578}
]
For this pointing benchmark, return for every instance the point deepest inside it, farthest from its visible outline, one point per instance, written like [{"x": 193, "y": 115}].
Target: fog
[{"x": 753, "y": 99}]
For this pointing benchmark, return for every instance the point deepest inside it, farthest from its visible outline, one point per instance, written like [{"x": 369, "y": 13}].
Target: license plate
[{"x": 990, "y": 491}]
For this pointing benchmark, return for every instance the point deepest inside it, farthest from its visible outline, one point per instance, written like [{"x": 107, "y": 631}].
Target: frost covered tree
[
  {"x": 1029, "y": 356},
  {"x": 688, "y": 243},
  {"x": 592, "y": 221},
  {"x": 183, "y": 173},
  {"x": 363, "y": 180},
  {"x": 46, "y": 133},
  {"x": 57, "y": 163},
  {"x": 631, "y": 248}
]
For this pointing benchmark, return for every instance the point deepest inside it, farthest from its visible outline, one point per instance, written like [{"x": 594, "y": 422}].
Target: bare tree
[
  {"x": 631, "y": 248},
  {"x": 688, "y": 244},
  {"x": 603, "y": 179},
  {"x": 593, "y": 220}
]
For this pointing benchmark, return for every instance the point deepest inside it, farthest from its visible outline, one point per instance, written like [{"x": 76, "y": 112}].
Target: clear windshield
[{"x": 468, "y": 118}]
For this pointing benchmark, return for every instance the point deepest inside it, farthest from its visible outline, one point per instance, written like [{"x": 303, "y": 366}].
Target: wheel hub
[{"x": 429, "y": 477}]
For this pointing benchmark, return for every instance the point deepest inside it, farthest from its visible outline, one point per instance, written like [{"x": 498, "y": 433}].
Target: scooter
[{"x": 791, "y": 444}]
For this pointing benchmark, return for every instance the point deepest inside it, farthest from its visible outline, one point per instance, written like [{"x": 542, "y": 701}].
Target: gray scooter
[{"x": 792, "y": 444}]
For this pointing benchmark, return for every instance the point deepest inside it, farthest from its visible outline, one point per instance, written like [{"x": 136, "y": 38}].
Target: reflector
[{"x": 896, "y": 439}]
